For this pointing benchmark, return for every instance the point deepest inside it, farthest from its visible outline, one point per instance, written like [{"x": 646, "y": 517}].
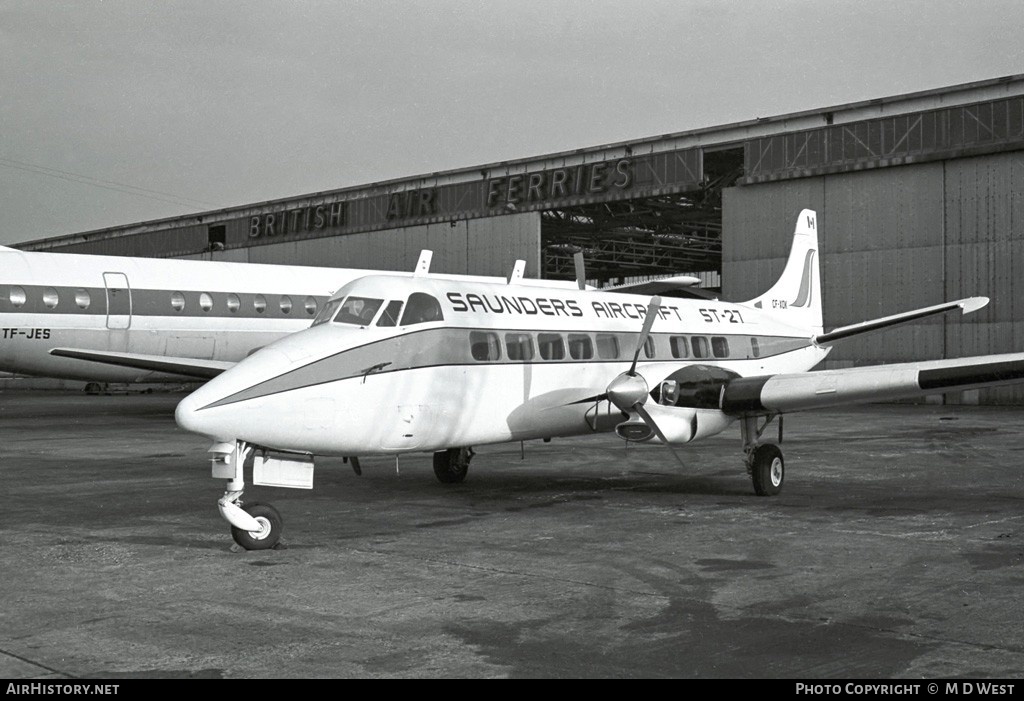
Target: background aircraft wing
[
  {"x": 811, "y": 390},
  {"x": 186, "y": 367}
]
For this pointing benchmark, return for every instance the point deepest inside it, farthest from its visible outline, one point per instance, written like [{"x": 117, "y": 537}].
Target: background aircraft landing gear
[
  {"x": 451, "y": 465},
  {"x": 270, "y": 524}
]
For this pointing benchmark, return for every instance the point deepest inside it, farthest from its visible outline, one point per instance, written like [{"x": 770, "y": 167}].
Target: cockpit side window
[
  {"x": 326, "y": 312},
  {"x": 358, "y": 310},
  {"x": 391, "y": 314},
  {"x": 421, "y": 309}
]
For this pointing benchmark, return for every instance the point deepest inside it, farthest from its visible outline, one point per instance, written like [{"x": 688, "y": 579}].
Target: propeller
[{"x": 629, "y": 391}]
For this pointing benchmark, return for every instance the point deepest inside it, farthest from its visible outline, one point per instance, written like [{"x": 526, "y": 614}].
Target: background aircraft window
[
  {"x": 358, "y": 310},
  {"x": 18, "y": 296},
  {"x": 755, "y": 348},
  {"x": 233, "y": 302},
  {"x": 680, "y": 348},
  {"x": 177, "y": 301},
  {"x": 286, "y": 304},
  {"x": 700, "y": 347},
  {"x": 519, "y": 345},
  {"x": 50, "y": 298},
  {"x": 82, "y": 299},
  {"x": 580, "y": 346},
  {"x": 391, "y": 314},
  {"x": 720, "y": 346},
  {"x": 484, "y": 345},
  {"x": 649, "y": 347},
  {"x": 552, "y": 347},
  {"x": 421, "y": 309},
  {"x": 310, "y": 305},
  {"x": 205, "y": 302},
  {"x": 607, "y": 346},
  {"x": 327, "y": 312},
  {"x": 259, "y": 303}
]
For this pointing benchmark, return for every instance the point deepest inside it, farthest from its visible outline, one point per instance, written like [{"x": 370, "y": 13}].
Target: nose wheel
[{"x": 269, "y": 522}]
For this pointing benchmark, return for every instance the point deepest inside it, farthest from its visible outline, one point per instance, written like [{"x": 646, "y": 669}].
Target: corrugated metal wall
[
  {"x": 894, "y": 239},
  {"x": 474, "y": 247}
]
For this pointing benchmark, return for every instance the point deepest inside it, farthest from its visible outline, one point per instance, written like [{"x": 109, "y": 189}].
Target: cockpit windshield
[
  {"x": 327, "y": 312},
  {"x": 358, "y": 310}
]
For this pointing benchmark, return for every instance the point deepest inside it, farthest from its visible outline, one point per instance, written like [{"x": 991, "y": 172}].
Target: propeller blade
[
  {"x": 581, "y": 276},
  {"x": 649, "y": 420},
  {"x": 652, "y": 312}
]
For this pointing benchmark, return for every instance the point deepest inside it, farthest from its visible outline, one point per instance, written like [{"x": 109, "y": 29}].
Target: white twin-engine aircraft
[
  {"x": 400, "y": 364},
  {"x": 121, "y": 319}
]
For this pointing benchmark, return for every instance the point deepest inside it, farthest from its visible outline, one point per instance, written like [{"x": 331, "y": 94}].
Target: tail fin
[{"x": 796, "y": 296}]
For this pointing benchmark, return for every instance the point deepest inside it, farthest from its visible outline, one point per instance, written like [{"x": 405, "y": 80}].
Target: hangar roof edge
[{"x": 730, "y": 133}]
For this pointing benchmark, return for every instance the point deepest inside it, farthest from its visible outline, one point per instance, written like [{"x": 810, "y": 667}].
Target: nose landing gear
[{"x": 255, "y": 526}]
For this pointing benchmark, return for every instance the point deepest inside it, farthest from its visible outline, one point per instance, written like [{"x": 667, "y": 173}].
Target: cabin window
[
  {"x": 484, "y": 345},
  {"x": 607, "y": 346},
  {"x": 50, "y": 298},
  {"x": 327, "y": 312},
  {"x": 310, "y": 305},
  {"x": 391, "y": 314},
  {"x": 720, "y": 346},
  {"x": 700, "y": 346},
  {"x": 177, "y": 301},
  {"x": 358, "y": 310},
  {"x": 519, "y": 346},
  {"x": 421, "y": 309},
  {"x": 259, "y": 303},
  {"x": 552, "y": 347},
  {"x": 580, "y": 346},
  {"x": 18, "y": 296},
  {"x": 649, "y": 347},
  {"x": 205, "y": 302},
  {"x": 234, "y": 303},
  {"x": 755, "y": 348},
  {"x": 82, "y": 299},
  {"x": 680, "y": 348},
  {"x": 286, "y": 304}
]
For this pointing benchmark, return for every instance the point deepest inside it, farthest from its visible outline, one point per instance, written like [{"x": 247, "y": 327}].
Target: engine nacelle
[{"x": 679, "y": 424}]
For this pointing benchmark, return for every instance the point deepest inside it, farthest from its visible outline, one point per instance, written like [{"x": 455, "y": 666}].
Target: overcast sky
[{"x": 119, "y": 111}]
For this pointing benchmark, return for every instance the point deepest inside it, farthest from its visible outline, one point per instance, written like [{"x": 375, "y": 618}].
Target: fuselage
[
  {"x": 484, "y": 363},
  {"x": 198, "y": 309}
]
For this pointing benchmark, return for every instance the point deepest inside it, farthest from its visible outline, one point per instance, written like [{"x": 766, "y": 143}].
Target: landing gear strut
[
  {"x": 451, "y": 465},
  {"x": 765, "y": 465},
  {"x": 255, "y": 526}
]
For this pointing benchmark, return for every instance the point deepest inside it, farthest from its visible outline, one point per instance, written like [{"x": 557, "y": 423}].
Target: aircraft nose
[{"x": 189, "y": 416}]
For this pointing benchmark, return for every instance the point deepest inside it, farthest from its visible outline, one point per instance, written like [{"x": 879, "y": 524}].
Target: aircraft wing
[
  {"x": 824, "y": 388},
  {"x": 187, "y": 367}
]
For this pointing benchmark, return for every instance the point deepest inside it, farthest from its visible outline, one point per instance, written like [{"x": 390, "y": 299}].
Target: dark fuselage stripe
[
  {"x": 447, "y": 346},
  {"x": 145, "y": 302}
]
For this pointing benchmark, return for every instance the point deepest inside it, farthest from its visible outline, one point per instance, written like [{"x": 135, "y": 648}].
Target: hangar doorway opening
[{"x": 635, "y": 239}]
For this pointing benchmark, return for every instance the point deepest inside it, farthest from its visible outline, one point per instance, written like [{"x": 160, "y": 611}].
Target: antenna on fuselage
[
  {"x": 423, "y": 264},
  {"x": 581, "y": 275},
  {"x": 517, "y": 272}
]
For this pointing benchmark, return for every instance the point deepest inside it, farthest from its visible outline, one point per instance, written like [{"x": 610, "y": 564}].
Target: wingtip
[{"x": 973, "y": 304}]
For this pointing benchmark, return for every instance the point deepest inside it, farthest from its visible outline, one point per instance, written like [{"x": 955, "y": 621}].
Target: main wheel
[
  {"x": 270, "y": 528},
  {"x": 451, "y": 465},
  {"x": 767, "y": 470}
]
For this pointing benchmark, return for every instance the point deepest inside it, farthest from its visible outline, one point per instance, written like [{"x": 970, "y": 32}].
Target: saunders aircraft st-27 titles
[{"x": 401, "y": 364}]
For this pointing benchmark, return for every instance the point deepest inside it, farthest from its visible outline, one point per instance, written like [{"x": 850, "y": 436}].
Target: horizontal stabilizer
[
  {"x": 186, "y": 367},
  {"x": 813, "y": 390},
  {"x": 656, "y": 286},
  {"x": 971, "y": 304}
]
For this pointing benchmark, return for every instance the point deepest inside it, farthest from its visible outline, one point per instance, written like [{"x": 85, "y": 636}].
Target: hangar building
[{"x": 920, "y": 200}]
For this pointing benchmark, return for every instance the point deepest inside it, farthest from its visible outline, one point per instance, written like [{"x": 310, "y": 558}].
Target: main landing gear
[
  {"x": 451, "y": 465},
  {"x": 765, "y": 465}
]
